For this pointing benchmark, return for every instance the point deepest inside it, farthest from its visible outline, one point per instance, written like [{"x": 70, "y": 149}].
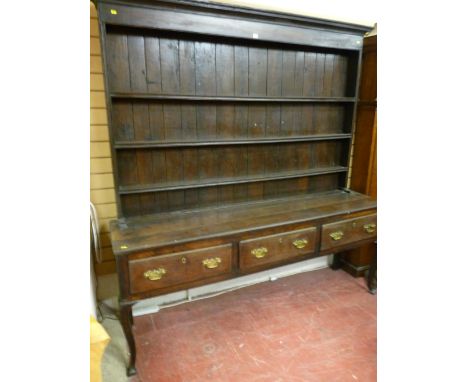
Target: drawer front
[
  {"x": 163, "y": 271},
  {"x": 348, "y": 231},
  {"x": 274, "y": 248}
]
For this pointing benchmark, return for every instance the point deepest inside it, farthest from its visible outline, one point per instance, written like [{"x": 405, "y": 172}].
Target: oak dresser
[{"x": 231, "y": 132}]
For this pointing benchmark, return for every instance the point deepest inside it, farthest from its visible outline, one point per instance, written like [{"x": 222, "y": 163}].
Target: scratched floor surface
[{"x": 316, "y": 326}]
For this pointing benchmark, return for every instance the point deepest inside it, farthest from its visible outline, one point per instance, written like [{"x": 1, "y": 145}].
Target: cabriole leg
[{"x": 126, "y": 318}]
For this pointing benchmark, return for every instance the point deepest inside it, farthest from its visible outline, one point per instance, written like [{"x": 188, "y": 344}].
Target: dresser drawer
[
  {"x": 274, "y": 248},
  {"x": 348, "y": 231},
  {"x": 178, "y": 268}
]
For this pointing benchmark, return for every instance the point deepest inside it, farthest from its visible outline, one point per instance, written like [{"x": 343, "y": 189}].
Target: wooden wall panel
[
  {"x": 192, "y": 121},
  {"x": 278, "y": 188},
  {"x": 220, "y": 162},
  {"x": 98, "y": 116},
  {"x": 95, "y": 64},
  {"x": 99, "y": 133},
  {"x": 94, "y": 28},
  {"x": 95, "y": 46},
  {"x": 173, "y": 65},
  {"x": 96, "y": 82},
  {"x": 167, "y": 141},
  {"x": 102, "y": 193},
  {"x": 98, "y": 99},
  {"x": 101, "y": 165},
  {"x": 101, "y": 181},
  {"x": 100, "y": 150}
]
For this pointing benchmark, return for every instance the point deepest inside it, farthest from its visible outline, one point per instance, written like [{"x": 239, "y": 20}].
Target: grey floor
[{"x": 114, "y": 360}]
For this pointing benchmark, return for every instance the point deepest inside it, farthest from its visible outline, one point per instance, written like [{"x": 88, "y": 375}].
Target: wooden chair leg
[{"x": 126, "y": 319}]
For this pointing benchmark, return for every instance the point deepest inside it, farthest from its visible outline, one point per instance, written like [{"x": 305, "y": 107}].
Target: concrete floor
[
  {"x": 115, "y": 357},
  {"x": 116, "y": 354}
]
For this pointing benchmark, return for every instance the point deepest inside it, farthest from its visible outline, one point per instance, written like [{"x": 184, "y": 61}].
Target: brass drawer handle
[
  {"x": 369, "y": 228},
  {"x": 155, "y": 274},
  {"x": 212, "y": 263},
  {"x": 300, "y": 243},
  {"x": 259, "y": 252},
  {"x": 337, "y": 235}
]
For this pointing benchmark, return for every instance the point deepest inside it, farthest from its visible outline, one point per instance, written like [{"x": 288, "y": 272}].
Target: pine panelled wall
[{"x": 102, "y": 183}]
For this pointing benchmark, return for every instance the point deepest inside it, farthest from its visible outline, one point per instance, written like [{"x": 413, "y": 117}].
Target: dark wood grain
[
  {"x": 169, "y": 56},
  {"x": 225, "y": 119},
  {"x": 351, "y": 230},
  {"x": 224, "y": 70},
  {"x": 230, "y": 129},
  {"x": 137, "y": 63},
  {"x": 122, "y": 121},
  {"x": 153, "y": 64},
  {"x": 175, "y": 180},
  {"x": 126, "y": 318},
  {"x": 253, "y": 99},
  {"x": 185, "y": 82},
  {"x": 205, "y": 59},
  {"x": 118, "y": 73},
  {"x": 187, "y": 67},
  {"x": 149, "y": 17},
  {"x": 163, "y": 229},
  {"x": 278, "y": 247},
  {"x": 179, "y": 267},
  {"x": 144, "y": 159},
  {"x": 319, "y": 74}
]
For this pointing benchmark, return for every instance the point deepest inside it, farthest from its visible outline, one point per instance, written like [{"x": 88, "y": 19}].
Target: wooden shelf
[
  {"x": 213, "y": 112},
  {"x": 168, "y": 97},
  {"x": 139, "y": 189},
  {"x": 169, "y": 144},
  {"x": 168, "y": 227}
]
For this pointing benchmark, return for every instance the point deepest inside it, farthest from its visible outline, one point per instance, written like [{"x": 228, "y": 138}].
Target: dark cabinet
[{"x": 231, "y": 132}]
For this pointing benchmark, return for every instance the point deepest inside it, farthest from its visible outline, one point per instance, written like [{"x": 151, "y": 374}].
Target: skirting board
[{"x": 153, "y": 305}]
